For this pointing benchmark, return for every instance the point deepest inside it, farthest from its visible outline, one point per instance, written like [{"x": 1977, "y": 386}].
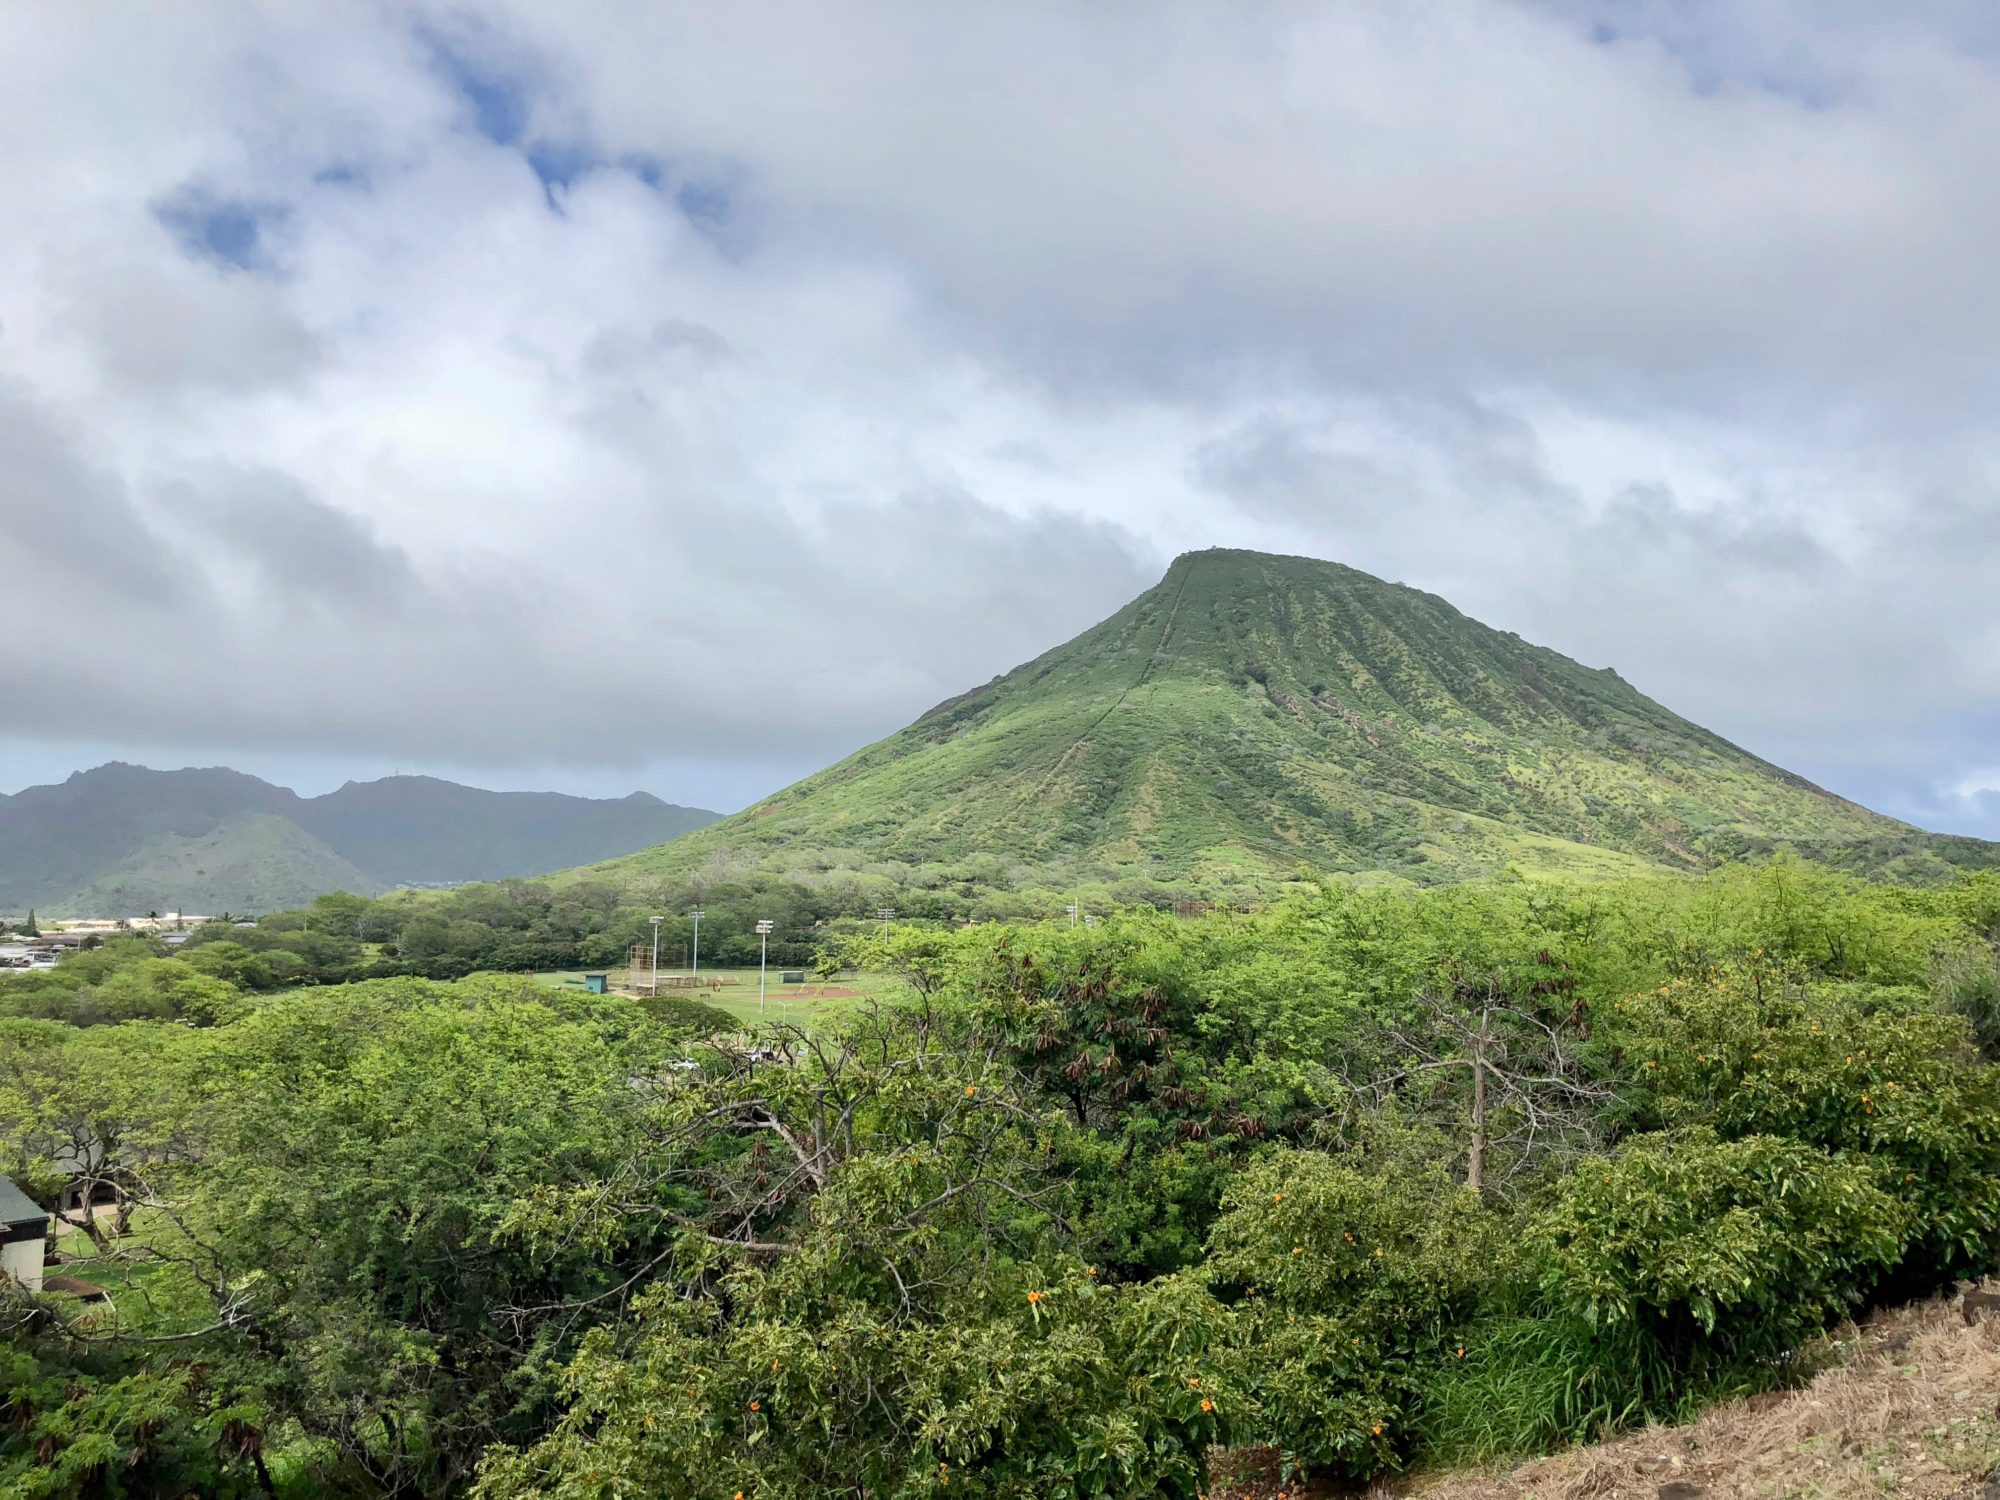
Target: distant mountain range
[
  {"x": 1251, "y": 714},
  {"x": 122, "y": 840}
]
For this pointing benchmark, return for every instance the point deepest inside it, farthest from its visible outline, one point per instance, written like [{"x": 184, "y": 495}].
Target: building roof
[{"x": 16, "y": 1207}]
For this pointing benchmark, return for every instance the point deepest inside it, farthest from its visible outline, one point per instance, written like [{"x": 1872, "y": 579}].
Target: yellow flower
[{"x": 1277, "y": 1197}]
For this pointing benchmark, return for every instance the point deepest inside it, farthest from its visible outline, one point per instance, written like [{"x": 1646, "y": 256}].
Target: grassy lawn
[
  {"x": 797, "y": 1004},
  {"x": 151, "y": 1297}
]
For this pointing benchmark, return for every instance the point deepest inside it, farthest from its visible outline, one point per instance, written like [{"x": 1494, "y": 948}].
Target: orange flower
[
  {"x": 1378, "y": 1429},
  {"x": 1194, "y": 1382},
  {"x": 1208, "y": 1406},
  {"x": 971, "y": 1089},
  {"x": 756, "y": 1406},
  {"x": 1090, "y": 1270},
  {"x": 1298, "y": 1250},
  {"x": 1277, "y": 1197},
  {"x": 1033, "y": 1298},
  {"x": 1461, "y": 1351}
]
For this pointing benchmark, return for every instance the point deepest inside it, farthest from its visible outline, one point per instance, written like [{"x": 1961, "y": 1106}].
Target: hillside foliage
[
  {"x": 1084, "y": 1206},
  {"x": 1254, "y": 713}
]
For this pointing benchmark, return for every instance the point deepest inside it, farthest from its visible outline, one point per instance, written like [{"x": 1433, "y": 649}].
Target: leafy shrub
[
  {"x": 1902, "y": 1085},
  {"x": 1086, "y": 1391},
  {"x": 683, "y": 1014},
  {"x": 1352, "y": 1286},
  {"x": 1713, "y": 1246}
]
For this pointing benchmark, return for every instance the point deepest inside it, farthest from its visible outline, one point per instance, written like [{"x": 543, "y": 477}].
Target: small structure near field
[
  {"x": 792, "y": 976},
  {"x": 597, "y": 984},
  {"x": 24, "y": 1235}
]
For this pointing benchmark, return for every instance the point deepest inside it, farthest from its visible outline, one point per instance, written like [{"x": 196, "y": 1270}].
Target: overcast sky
[{"x": 599, "y": 397}]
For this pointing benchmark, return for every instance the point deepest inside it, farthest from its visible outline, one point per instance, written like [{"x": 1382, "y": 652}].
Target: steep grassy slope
[{"x": 1254, "y": 712}]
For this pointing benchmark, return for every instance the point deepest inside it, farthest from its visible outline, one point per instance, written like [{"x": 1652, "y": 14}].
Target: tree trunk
[{"x": 1475, "y": 1168}]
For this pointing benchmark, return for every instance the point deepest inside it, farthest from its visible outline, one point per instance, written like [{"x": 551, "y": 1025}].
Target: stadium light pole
[
  {"x": 656, "y": 956},
  {"x": 695, "y": 966},
  {"x": 763, "y": 955}
]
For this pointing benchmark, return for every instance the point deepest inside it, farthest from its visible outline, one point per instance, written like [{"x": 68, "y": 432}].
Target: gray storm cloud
[{"x": 511, "y": 387}]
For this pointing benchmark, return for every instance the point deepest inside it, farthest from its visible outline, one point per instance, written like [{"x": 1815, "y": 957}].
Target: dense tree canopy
[{"x": 1375, "y": 1176}]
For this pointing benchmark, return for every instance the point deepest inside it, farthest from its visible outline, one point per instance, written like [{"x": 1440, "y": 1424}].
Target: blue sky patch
[
  {"x": 496, "y": 95},
  {"x": 232, "y": 232}
]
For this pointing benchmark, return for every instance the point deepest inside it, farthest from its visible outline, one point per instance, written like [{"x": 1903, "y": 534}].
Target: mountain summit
[{"x": 1255, "y": 713}]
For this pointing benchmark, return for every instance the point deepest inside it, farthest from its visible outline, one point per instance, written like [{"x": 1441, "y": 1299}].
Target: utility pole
[
  {"x": 763, "y": 956},
  {"x": 885, "y": 913},
  {"x": 695, "y": 966},
  {"x": 655, "y": 990},
  {"x": 1072, "y": 909}
]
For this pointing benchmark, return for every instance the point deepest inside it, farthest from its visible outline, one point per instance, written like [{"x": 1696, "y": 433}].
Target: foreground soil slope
[{"x": 1911, "y": 1409}]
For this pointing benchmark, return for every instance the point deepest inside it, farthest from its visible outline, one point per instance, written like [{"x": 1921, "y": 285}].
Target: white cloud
[{"x": 837, "y": 357}]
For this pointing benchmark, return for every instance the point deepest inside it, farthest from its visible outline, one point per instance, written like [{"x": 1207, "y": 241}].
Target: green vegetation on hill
[
  {"x": 120, "y": 840},
  {"x": 1086, "y": 1205},
  {"x": 246, "y": 861},
  {"x": 1252, "y": 714}
]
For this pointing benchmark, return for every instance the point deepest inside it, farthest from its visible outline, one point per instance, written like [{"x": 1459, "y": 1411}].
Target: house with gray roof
[{"x": 24, "y": 1232}]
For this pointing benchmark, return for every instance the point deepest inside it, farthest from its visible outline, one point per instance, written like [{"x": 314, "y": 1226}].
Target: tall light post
[
  {"x": 885, "y": 913},
  {"x": 763, "y": 954},
  {"x": 695, "y": 966},
  {"x": 656, "y": 955},
  {"x": 1072, "y": 909}
]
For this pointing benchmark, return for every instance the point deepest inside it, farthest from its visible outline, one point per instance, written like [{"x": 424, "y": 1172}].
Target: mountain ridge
[
  {"x": 1252, "y": 713},
  {"x": 119, "y": 839}
]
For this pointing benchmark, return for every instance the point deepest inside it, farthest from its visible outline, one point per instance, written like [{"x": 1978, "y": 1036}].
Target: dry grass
[{"x": 1912, "y": 1409}]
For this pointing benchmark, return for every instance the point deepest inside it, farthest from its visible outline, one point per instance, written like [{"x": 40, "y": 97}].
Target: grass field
[{"x": 797, "y": 1004}]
